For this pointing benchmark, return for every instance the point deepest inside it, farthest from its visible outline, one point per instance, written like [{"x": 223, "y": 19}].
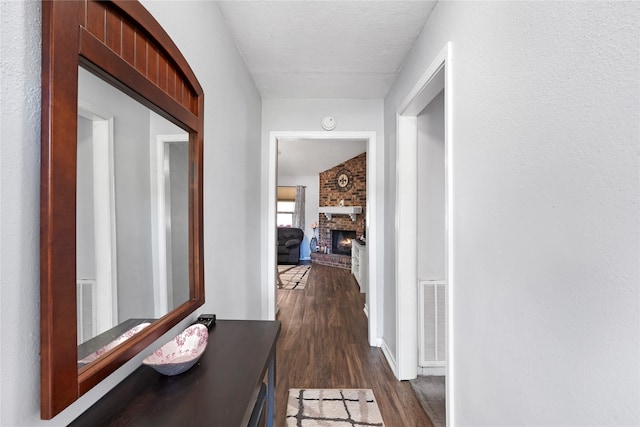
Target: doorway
[
  {"x": 424, "y": 195},
  {"x": 96, "y": 264},
  {"x": 169, "y": 178},
  {"x": 372, "y": 211}
]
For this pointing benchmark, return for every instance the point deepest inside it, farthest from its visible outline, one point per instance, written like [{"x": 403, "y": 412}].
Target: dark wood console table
[{"x": 221, "y": 390}]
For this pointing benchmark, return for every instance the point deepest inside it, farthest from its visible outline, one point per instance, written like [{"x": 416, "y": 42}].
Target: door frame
[
  {"x": 160, "y": 251},
  {"x": 437, "y": 76},
  {"x": 104, "y": 210},
  {"x": 374, "y": 215}
]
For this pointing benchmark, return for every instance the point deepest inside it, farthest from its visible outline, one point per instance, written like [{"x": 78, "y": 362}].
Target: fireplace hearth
[{"x": 341, "y": 241}]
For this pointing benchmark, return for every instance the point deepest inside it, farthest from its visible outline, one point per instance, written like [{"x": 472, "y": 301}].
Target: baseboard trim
[
  {"x": 440, "y": 371},
  {"x": 387, "y": 355}
]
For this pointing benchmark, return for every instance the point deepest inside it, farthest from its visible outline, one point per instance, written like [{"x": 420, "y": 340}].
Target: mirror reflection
[{"x": 132, "y": 217}]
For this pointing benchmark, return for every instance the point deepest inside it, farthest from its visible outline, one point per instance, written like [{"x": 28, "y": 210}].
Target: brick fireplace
[{"x": 330, "y": 194}]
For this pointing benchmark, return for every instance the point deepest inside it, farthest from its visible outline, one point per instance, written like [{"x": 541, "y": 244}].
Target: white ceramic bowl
[
  {"x": 122, "y": 338},
  {"x": 181, "y": 353}
]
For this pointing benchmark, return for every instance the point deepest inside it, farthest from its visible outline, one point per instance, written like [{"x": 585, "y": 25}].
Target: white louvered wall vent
[
  {"x": 87, "y": 316},
  {"x": 432, "y": 316}
]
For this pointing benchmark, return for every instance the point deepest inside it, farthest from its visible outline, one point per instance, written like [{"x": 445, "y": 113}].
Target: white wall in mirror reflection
[
  {"x": 132, "y": 228},
  {"x": 96, "y": 277},
  {"x": 169, "y": 216}
]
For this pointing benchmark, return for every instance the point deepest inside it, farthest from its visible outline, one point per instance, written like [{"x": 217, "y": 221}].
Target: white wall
[
  {"x": 85, "y": 222},
  {"x": 389, "y": 300},
  {"x": 178, "y": 211},
  {"x": 19, "y": 212},
  {"x": 132, "y": 193},
  {"x": 232, "y": 154},
  {"x": 431, "y": 194},
  {"x": 306, "y": 115},
  {"x": 312, "y": 194},
  {"x": 546, "y": 124}
]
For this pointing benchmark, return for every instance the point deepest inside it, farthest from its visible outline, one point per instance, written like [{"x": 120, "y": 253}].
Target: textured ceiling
[{"x": 325, "y": 49}]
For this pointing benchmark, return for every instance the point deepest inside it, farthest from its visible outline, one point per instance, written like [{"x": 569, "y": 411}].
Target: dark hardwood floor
[{"x": 323, "y": 344}]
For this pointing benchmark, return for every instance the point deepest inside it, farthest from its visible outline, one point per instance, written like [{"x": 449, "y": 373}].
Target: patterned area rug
[
  {"x": 332, "y": 408},
  {"x": 293, "y": 276}
]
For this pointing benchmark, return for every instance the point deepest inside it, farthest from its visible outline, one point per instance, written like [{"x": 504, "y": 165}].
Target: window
[
  {"x": 285, "y": 206},
  {"x": 284, "y": 216}
]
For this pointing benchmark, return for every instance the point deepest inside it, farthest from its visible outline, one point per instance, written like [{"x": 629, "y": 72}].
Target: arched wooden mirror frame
[{"x": 123, "y": 44}]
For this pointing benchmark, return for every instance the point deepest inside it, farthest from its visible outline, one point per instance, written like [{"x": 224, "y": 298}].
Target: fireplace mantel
[{"x": 329, "y": 211}]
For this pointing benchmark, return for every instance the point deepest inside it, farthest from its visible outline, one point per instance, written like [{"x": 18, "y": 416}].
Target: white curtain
[{"x": 298, "y": 210}]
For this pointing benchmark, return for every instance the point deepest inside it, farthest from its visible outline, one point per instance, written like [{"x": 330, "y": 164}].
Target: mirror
[
  {"x": 131, "y": 213},
  {"x": 121, "y": 192}
]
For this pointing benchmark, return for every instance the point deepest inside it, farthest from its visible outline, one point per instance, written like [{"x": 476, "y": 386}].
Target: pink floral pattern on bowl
[
  {"x": 122, "y": 338},
  {"x": 181, "y": 353}
]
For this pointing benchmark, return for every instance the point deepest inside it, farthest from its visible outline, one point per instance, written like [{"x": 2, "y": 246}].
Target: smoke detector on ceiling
[{"x": 328, "y": 123}]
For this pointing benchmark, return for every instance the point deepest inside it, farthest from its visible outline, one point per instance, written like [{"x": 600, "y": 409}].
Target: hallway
[{"x": 323, "y": 344}]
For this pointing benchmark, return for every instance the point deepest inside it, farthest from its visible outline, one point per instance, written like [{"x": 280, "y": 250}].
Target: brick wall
[
  {"x": 332, "y": 260},
  {"x": 330, "y": 195}
]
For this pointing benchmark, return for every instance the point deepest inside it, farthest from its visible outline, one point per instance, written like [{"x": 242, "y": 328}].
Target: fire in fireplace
[{"x": 341, "y": 241}]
